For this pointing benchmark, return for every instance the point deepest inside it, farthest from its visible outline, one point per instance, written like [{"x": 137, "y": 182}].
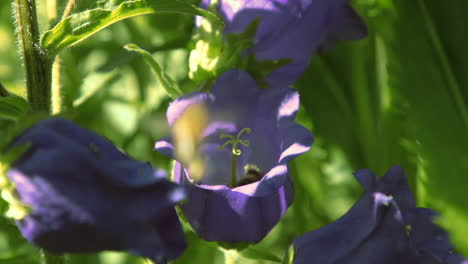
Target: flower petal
[
  {"x": 244, "y": 213},
  {"x": 86, "y": 196},
  {"x": 382, "y": 227}
]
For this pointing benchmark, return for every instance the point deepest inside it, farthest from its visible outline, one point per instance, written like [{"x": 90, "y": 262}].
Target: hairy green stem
[
  {"x": 58, "y": 100},
  {"x": 68, "y": 9},
  {"x": 49, "y": 258},
  {"x": 57, "y": 96},
  {"x": 37, "y": 64}
]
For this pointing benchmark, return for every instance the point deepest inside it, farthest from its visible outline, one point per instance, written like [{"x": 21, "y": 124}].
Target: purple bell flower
[
  {"x": 384, "y": 227},
  {"x": 293, "y": 29},
  {"x": 86, "y": 196},
  {"x": 259, "y": 126}
]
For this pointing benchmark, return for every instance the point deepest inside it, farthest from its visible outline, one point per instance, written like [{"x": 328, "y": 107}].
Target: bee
[
  {"x": 188, "y": 133},
  {"x": 252, "y": 174}
]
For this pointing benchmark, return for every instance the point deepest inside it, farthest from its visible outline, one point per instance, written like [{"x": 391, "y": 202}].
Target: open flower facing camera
[
  {"x": 86, "y": 196},
  {"x": 250, "y": 136},
  {"x": 384, "y": 226}
]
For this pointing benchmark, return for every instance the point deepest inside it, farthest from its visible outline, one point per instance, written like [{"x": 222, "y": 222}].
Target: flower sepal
[{"x": 260, "y": 69}]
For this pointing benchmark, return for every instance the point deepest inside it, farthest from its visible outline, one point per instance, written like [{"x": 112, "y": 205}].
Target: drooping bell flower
[
  {"x": 290, "y": 29},
  {"x": 242, "y": 187},
  {"x": 384, "y": 226},
  {"x": 85, "y": 196}
]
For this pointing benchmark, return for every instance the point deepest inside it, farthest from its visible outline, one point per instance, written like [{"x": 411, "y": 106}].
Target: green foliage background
[{"x": 397, "y": 97}]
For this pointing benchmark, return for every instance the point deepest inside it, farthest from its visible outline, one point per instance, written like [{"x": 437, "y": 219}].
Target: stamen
[{"x": 235, "y": 141}]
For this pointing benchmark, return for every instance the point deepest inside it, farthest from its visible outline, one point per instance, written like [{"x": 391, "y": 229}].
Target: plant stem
[
  {"x": 57, "y": 96},
  {"x": 49, "y": 258},
  {"x": 58, "y": 100},
  {"x": 68, "y": 9},
  {"x": 233, "y": 170},
  {"x": 51, "y": 12},
  {"x": 37, "y": 64}
]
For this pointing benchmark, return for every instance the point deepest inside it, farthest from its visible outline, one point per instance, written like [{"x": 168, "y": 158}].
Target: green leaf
[
  {"x": 429, "y": 75},
  {"x": 456, "y": 220},
  {"x": 11, "y": 107},
  {"x": 80, "y": 26},
  {"x": 256, "y": 254},
  {"x": 169, "y": 85},
  {"x": 51, "y": 258}
]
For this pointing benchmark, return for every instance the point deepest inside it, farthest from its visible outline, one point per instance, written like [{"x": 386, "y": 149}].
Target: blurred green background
[{"x": 397, "y": 97}]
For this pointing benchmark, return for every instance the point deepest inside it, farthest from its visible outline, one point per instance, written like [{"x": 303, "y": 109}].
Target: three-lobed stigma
[{"x": 235, "y": 141}]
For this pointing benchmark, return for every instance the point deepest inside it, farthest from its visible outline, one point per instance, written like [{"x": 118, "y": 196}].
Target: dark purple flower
[
  {"x": 384, "y": 227},
  {"x": 246, "y": 209},
  {"x": 87, "y": 196},
  {"x": 292, "y": 29}
]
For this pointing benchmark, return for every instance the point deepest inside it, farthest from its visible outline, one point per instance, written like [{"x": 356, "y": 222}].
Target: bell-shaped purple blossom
[
  {"x": 86, "y": 196},
  {"x": 384, "y": 227},
  {"x": 262, "y": 121},
  {"x": 291, "y": 29}
]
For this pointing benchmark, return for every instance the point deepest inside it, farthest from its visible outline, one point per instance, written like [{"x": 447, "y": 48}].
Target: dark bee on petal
[{"x": 252, "y": 174}]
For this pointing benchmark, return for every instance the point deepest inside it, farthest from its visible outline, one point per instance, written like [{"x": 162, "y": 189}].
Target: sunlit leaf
[{"x": 80, "y": 26}]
